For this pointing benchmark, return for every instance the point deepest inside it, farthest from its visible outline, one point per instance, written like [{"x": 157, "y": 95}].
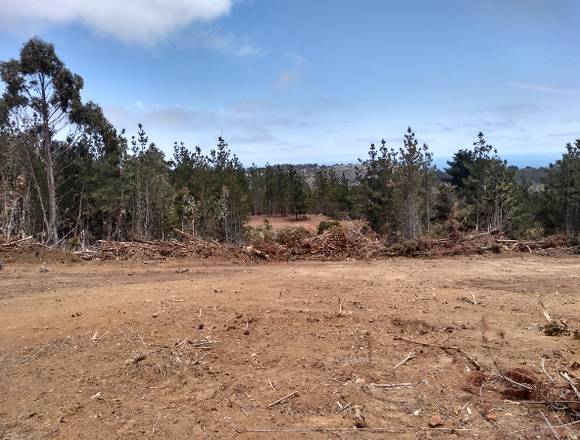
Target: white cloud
[
  {"x": 135, "y": 21},
  {"x": 226, "y": 42},
  {"x": 564, "y": 90}
]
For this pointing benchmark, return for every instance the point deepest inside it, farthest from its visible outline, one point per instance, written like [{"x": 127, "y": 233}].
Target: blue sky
[{"x": 318, "y": 80}]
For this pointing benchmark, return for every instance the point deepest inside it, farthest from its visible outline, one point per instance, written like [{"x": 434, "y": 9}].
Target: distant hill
[{"x": 533, "y": 176}]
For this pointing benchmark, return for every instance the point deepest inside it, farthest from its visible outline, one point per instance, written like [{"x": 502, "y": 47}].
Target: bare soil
[
  {"x": 309, "y": 222},
  {"x": 187, "y": 349}
]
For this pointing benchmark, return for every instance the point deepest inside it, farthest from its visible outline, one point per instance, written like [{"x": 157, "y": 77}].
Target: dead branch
[
  {"x": 283, "y": 399},
  {"x": 29, "y": 358},
  {"x": 552, "y": 430},
  {"x": 571, "y": 383},
  {"x": 445, "y": 348},
  {"x": 410, "y": 356},
  {"x": 393, "y": 385},
  {"x": 341, "y": 429},
  {"x": 12, "y": 243},
  {"x": 543, "y": 365}
]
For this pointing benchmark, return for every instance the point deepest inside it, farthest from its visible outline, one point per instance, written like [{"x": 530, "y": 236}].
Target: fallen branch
[
  {"x": 393, "y": 385},
  {"x": 513, "y": 382},
  {"x": 12, "y": 243},
  {"x": 410, "y": 356},
  {"x": 543, "y": 365},
  {"x": 388, "y": 430},
  {"x": 552, "y": 430},
  {"x": 571, "y": 383},
  {"x": 283, "y": 399},
  {"x": 445, "y": 348},
  {"x": 136, "y": 359},
  {"x": 29, "y": 358}
]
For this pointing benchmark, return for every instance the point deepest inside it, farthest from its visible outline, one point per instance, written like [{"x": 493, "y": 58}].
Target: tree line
[{"x": 66, "y": 174}]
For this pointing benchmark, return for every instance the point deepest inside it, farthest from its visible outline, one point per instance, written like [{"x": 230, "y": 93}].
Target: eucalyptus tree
[{"x": 42, "y": 101}]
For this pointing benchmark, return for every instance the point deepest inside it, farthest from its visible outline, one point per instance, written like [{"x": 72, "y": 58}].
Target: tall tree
[
  {"x": 415, "y": 185},
  {"x": 42, "y": 99},
  {"x": 484, "y": 183},
  {"x": 297, "y": 192},
  {"x": 562, "y": 192}
]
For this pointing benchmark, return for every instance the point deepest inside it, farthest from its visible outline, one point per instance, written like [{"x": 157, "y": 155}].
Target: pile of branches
[
  {"x": 191, "y": 246},
  {"x": 479, "y": 243},
  {"x": 17, "y": 243},
  {"x": 542, "y": 246},
  {"x": 340, "y": 242},
  {"x": 336, "y": 243},
  {"x": 558, "y": 392}
]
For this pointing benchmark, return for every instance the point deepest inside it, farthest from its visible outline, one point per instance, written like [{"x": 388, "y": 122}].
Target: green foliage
[
  {"x": 213, "y": 195},
  {"x": 562, "y": 192},
  {"x": 292, "y": 236},
  {"x": 325, "y": 225},
  {"x": 42, "y": 98},
  {"x": 66, "y": 172},
  {"x": 396, "y": 188},
  {"x": 332, "y": 195},
  {"x": 279, "y": 190},
  {"x": 485, "y": 185}
]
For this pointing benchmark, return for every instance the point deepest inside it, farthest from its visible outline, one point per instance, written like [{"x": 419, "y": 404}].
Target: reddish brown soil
[{"x": 67, "y": 338}]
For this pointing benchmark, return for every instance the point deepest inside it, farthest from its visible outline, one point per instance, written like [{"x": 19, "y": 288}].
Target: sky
[{"x": 316, "y": 81}]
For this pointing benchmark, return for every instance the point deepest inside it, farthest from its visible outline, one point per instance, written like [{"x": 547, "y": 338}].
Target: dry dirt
[
  {"x": 276, "y": 222},
  {"x": 221, "y": 342},
  {"x": 310, "y": 222}
]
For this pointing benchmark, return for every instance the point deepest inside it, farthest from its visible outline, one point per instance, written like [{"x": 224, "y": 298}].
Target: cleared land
[
  {"x": 190, "y": 349},
  {"x": 309, "y": 222}
]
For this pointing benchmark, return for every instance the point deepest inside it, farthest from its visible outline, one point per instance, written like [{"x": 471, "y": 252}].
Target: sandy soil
[
  {"x": 310, "y": 222},
  {"x": 189, "y": 349}
]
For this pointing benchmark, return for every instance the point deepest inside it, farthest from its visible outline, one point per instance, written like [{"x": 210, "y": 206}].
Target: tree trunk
[
  {"x": 51, "y": 189},
  {"x": 50, "y": 185}
]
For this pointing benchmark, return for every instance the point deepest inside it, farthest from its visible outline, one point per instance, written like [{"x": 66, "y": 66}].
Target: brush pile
[
  {"x": 559, "y": 391},
  {"x": 336, "y": 243},
  {"x": 160, "y": 250},
  {"x": 17, "y": 243},
  {"x": 480, "y": 243},
  {"x": 353, "y": 240}
]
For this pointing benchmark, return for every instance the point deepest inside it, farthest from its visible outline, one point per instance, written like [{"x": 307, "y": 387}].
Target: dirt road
[{"x": 189, "y": 349}]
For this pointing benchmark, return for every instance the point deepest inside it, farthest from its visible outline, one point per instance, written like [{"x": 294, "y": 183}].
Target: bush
[
  {"x": 325, "y": 225},
  {"x": 292, "y": 236}
]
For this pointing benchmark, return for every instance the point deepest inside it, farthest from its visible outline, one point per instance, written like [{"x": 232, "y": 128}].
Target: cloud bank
[{"x": 133, "y": 21}]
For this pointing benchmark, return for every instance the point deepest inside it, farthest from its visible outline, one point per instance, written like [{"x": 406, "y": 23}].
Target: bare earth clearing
[{"x": 191, "y": 349}]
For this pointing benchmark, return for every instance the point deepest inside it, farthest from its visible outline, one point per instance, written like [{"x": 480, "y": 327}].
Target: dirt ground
[
  {"x": 310, "y": 222},
  {"x": 204, "y": 350}
]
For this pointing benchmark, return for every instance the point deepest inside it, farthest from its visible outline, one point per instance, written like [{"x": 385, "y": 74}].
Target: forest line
[{"x": 68, "y": 175}]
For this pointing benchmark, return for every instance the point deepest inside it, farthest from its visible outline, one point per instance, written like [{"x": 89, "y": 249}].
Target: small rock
[
  {"x": 43, "y": 269},
  {"x": 246, "y": 332},
  {"x": 2, "y": 265},
  {"x": 436, "y": 421},
  {"x": 155, "y": 315},
  {"x": 200, "y": 326},
  {"x": 359, "y": 418},
  {"x": 136, "y": 359},
  {"x": 490, "y": 417}
]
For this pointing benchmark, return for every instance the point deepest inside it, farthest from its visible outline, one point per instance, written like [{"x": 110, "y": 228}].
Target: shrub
[{"x": 325, "y": 225}]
